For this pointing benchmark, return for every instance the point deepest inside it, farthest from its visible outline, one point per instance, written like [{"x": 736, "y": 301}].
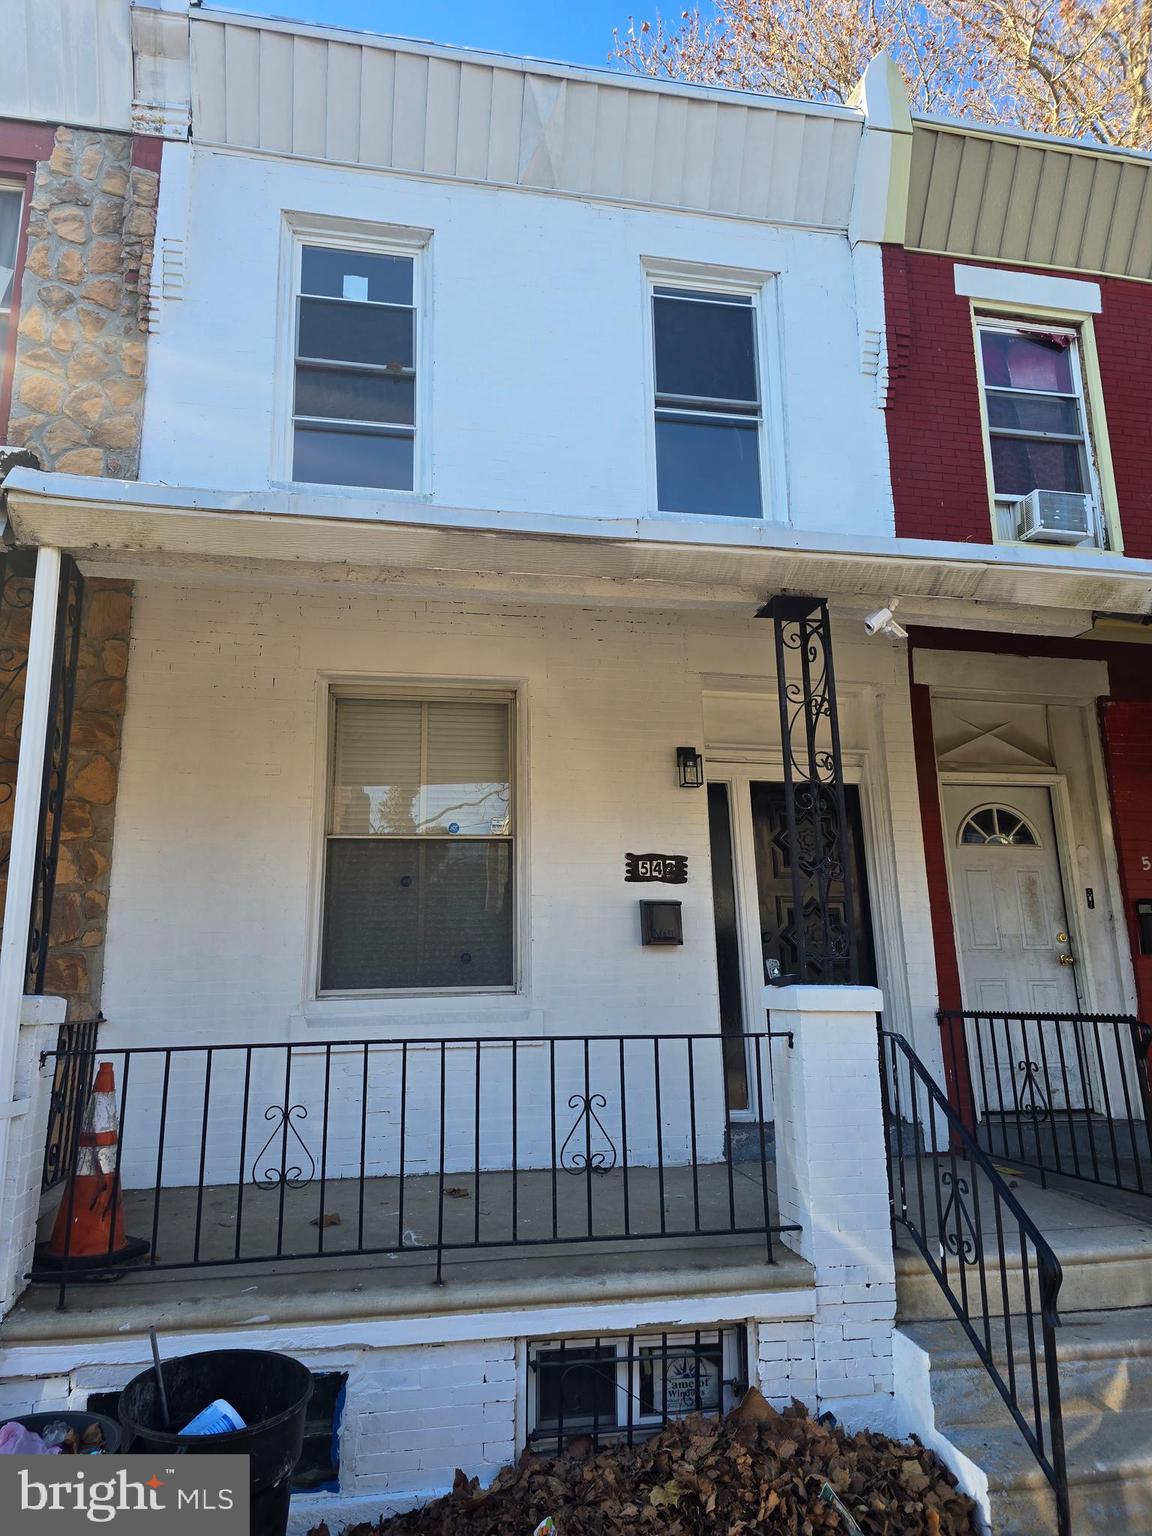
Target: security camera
[{"x": 882, "y": 623}]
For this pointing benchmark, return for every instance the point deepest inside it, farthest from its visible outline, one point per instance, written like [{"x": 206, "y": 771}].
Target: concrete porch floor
[{"x": 399, "y": 1280}]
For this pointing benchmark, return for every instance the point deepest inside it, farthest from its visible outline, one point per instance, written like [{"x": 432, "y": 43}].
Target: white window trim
[
  {"x": 984, "y": 321},
  {"x": 378, "y": 239},
  {"x": 761, "y": 288},
  {"x": 678, "y": 1340},
  {"x": 321, "y": 1002}
]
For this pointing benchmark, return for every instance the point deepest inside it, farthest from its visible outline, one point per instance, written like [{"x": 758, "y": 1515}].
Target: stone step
[
  {"x": 1104, "y": 1268},
  {"x": 1106, "y": 1394},
  {"x": 1109, "y": 1474}
]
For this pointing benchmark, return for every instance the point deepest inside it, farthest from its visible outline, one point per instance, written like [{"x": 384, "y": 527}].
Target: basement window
[{"x": 625, "y": 1387}]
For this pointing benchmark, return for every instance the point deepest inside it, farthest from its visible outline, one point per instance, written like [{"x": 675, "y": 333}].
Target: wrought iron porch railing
[
  {"x": 1061, "y": 1093},
  {"x": 75, "y": 1057},
  {"x": 268, "y": 1153},
  {"x": 996, "y": 1269}
]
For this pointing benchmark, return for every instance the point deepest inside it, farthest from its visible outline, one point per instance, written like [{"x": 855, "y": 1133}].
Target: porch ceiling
[{"x": 366, "y": 541}]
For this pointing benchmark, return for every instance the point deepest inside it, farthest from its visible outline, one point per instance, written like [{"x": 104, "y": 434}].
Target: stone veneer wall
[
  {"x": 78, "y": 390},
  {"x": 75, "y": 959}
]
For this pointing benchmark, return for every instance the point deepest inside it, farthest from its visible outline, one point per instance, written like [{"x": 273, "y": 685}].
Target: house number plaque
[{"x": 666, "y": 868}]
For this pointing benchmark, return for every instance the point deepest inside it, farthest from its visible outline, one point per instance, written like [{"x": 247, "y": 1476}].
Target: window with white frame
[
  {"x": 1036, "y": 415},
  {"x": 628, "y": 1385},
  {"x": 354, "y": 390},
  {"x": 708, "y": 402},
  {"x": 418, "y": 879},
  {"x": 11, "y": 207}
]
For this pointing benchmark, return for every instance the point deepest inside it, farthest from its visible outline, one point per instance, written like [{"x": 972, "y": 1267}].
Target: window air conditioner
[{"x": 1054, "y": 517}]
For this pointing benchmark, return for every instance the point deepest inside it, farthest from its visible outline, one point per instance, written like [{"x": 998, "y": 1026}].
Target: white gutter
[{"x": 366, "y": 529}]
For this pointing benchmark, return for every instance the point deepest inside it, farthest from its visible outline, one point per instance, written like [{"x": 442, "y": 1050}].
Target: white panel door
[{"x": 1015, "y": 945}]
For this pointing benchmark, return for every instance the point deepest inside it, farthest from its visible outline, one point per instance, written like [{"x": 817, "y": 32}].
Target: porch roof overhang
[{"x": 132, "y": 528}]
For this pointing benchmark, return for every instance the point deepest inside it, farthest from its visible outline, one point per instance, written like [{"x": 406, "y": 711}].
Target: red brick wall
[
  {"x": 1127, "y": 728},
  {"x": 939, "y": 479}
]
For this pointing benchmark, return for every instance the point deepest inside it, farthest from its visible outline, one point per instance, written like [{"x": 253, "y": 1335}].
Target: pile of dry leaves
[{"x": 754, "y": 1471}]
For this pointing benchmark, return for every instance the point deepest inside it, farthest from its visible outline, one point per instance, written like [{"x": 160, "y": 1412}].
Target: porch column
[
  {"x": 24, "y": 850},
  {"x": 832, "y": 1179}
]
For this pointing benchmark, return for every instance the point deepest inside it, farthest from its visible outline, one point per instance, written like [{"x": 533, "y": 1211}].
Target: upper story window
[
  {"x": 708, "y": 402},
  {"x": 11, "y": 209},
  {"x": 1038, "y": 437},
  {"x": 419, "y": 860},
  {"x": 354, "y": 407}
]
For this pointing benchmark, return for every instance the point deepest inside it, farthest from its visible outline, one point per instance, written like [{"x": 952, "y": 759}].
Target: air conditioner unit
[{"x": 1054, "y": 517}]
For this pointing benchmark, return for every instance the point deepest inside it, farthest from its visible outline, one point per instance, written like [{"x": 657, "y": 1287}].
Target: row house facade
[{"x": 579, "y": 598}]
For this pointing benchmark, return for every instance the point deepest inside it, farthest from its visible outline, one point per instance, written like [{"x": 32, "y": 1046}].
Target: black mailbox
[
  {"x": 1144, "y": 926},
  {"x": 661, "y": 922}
]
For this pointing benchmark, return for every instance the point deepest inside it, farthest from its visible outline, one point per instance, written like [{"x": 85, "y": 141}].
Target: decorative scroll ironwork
[
  {"x": 1032, "y": 1100},
  {"x": 602, "y": 1158},
  {"x": 822, "y": 930},
  {"x": 957, "y": 1230},
  {"x": 291, "y": 1175},
  {"x": 71, "y": 1082},
  {"x": 58, "y": 735}
]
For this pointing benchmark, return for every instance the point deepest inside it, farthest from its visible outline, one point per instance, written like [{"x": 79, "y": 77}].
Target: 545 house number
[{"x": 664, "y": 868}]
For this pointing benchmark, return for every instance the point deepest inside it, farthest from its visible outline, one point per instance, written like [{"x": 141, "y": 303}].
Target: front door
[
  {"x": 764, "y": 824},
  {"x": 1015, "y": 944}
]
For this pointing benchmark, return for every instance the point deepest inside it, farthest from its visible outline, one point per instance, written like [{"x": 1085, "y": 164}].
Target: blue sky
[{"x": 573, "y": 31}]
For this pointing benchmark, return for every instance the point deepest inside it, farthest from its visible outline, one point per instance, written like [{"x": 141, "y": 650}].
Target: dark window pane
[
  {"x": 1035, "y": 413},
  {"x": 356, "y": 333},
  {"x": 576, "y": 1386},
  {"x": 708, "y": 467},
  {"x": 712, "y": 298},
  {"x": 1016, "y": 361},
  {"x": 10, "y": 205},
  {"x": 351, "y": 396},
  {"x": 705, "y": 351},
  {"x": 417, "y": 913},
  {"x": 335, "y": 456},
  {"x": 1021, "y": 464},
  {"x": 356, "y": 275}
]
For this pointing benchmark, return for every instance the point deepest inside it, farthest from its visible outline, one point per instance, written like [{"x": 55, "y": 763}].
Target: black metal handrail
[
  {"x": 266, "y": 1153},
  {"x": 962, "y": 1216},
  {"x": 1061, "y": 1093}
]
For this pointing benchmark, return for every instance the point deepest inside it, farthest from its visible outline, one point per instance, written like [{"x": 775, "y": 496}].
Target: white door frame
[
  {"x": 1074, "y": 907},
  {"x": 739, "y": 769}
]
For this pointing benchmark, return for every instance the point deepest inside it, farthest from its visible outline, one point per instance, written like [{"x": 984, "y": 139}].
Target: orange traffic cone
[{"x": 89, "y": 1229}]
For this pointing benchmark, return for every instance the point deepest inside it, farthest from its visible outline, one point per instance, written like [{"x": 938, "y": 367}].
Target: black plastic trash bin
[{"x": 269, "y": 1391}]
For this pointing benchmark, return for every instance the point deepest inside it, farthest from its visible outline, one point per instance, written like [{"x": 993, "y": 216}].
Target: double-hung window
[
  {"x": 1037, "y": 418},
  {"x": 354, "y": 405},
  {"x": 708, "y": 402},
  {"x": 11, "y": 209},
  {"x": 419, "y": 848}
]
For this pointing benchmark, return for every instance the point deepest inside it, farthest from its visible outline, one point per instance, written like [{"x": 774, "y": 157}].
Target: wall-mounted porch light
[{"x": 689, "y": 768}]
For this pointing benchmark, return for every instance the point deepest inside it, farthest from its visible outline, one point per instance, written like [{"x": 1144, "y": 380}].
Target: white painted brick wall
[{"x": 20, "y": 1197}]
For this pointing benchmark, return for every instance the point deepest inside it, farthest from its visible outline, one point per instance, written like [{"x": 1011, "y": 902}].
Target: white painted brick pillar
[
  {"x": 27, "y": 1117},
  {"x": 832, "y": 1178}
]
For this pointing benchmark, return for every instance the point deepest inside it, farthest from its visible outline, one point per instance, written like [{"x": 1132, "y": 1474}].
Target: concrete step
[
  {"x": 1106, "y": 1392},
  {"x": 1109, "y": 1474},
  {"x": 1104, "y": 1267}
]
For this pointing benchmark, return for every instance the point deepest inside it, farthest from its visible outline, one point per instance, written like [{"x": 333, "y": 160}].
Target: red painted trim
[
  {"x": 957, "y": 1074},
  {"x": 147, "y": 150},
  {"x": 25, "y": 141}
]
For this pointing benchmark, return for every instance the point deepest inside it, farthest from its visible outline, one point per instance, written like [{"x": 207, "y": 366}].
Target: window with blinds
[{"x": 419, "y": 858}]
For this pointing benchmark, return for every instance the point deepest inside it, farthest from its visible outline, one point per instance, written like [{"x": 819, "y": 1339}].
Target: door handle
[{"x": 1067, "y": 959}]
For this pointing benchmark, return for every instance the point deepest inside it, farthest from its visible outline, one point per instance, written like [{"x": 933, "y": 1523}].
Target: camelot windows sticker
[{"x": 60, "y": 1496}]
